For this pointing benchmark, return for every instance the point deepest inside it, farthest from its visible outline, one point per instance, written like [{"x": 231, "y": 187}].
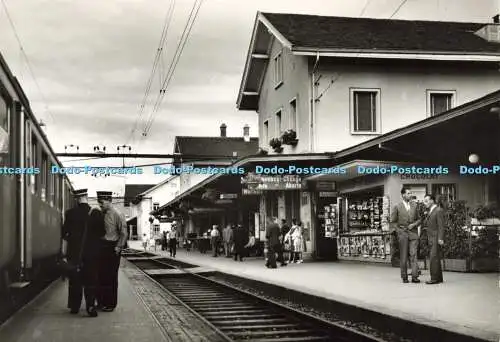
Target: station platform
[
  {"x": 46, "y": 319},
  {"x": 465, "y": 303}
]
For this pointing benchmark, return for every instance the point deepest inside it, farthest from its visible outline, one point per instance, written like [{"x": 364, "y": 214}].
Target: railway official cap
[
  {"x": 80, "y": 193},
  {"x": 104, "y": 195}
]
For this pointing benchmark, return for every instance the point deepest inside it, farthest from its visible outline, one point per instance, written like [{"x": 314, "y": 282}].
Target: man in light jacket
[
  {"x": 227, "y": 235},
  {"x": 405, "y": 222}
]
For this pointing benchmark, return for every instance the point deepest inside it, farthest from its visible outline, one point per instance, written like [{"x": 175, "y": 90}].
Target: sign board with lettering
[
  {"x": 325, "y": 186},
  {"x": 255, "y": 182},
  {"x": 323, "y": 194},
  {"x": 228, "y": 196},
  {"x": 223, "y": 201}
]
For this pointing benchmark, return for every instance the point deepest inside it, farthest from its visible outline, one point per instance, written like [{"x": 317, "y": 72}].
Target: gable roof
[
  {"x": 345, "y": 33},
  {"x": 347, "y": 37},
  {"x": 132, "y": 190},
  {"x": 211, "y": 147}
]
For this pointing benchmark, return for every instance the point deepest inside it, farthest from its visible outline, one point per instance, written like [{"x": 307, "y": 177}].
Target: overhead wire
[
  {"x": 30, "y": 68},
  {"x": 156, "y": 62},
  {"x": 397, "y": 9},
  {"x": 336, "y": 78},
  {"x": 173, "y": 65},
  {"x": 364, "y": 8}
]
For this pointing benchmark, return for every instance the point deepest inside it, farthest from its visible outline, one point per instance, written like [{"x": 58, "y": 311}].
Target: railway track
[{"x": 237, "y": 315}]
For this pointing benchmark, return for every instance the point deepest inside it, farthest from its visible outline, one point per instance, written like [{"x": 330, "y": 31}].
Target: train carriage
[{"x": 32, "y": 204}]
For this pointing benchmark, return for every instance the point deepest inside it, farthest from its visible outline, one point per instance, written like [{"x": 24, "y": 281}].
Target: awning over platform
[
  {"x": 359, "y": 168},
  {"x": 249, "y": 161}
]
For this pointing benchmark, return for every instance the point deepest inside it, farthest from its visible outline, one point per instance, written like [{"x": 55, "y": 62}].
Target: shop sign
[
  {"x": 328, "y": 194},
  {"x": 228, "y": 196},
  {"x": 418, "y": 177},
  {"x": 271, "y": 182},
  {"x": 224, "y": 201},
  {"x": 251, "y": 192},
  {"x": 325, "y": 186}
]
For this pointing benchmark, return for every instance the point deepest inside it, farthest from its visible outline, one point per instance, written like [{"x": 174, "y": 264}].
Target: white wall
[
  {"x": 162, "y": 195},
  {"x": 403, "y": 97},
  {"x": 295, "y": 85}
]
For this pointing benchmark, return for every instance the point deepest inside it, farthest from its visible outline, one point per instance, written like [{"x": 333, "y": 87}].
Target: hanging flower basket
[
  {"x": 289, "y": 137},
  {"x": 275, "y": 143}
]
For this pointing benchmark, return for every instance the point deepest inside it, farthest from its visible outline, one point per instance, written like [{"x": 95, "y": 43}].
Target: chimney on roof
[
  {"x": 496, "y": 19},
  {"x": 223, "y": 130},
  {"x": 246, "y": 133}
]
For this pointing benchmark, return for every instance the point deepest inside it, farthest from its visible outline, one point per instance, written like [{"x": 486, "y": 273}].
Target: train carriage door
[{"x": 28, "y": 190}]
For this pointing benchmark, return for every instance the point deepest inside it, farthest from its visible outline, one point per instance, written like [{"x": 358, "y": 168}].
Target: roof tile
[{"x": 344, "y": 33}]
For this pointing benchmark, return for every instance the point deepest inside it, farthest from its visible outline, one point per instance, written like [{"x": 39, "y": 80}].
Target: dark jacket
[
  {"x": 272, "y": 234},
  {"x": 240, "y": 237},
  {"x": 435, "y": 224},
  {"x": 73, "y": 230}
]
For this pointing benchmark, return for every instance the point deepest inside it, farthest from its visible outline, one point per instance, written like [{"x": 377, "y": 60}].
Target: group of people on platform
[
  {"x": 168, "y": 240},
  {"x": 282, "y": 238},
  {"x": 233, "y": 241},
  {"x": 406, "y": 221},
  {"x": 92, "y": 240}
]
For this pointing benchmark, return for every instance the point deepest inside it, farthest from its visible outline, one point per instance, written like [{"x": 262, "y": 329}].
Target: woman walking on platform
[
  {"x": 289, "y": 241},
  {"x": 298, "y": 243}
]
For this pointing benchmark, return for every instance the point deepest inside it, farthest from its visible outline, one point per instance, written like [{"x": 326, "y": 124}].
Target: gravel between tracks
[{"x": 179, "y": 324}]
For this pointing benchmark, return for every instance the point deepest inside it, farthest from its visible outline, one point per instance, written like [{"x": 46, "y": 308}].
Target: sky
[{"x": 90, "y": 62}]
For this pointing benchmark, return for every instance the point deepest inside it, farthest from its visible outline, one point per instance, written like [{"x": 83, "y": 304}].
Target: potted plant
[
  {"x": 486, "y": 215},
  {"x": 262, "y": 151},
  {"x": 289, "y": 137},
  {"x": 275, "y": 143},
  {"x": 484, "y": 238},
  {"x": 456, "y": 238}
]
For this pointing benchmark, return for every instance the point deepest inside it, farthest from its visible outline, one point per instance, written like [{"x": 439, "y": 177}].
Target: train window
[
  {"x": 51, "y": 186},
  {"x": 60, "y": 192},
  {"x": 4, "y": 131},
  {"x": 29, "y": 160},
  {"x": 35, "y": 159},
  {"x": 45, "y": 177}
]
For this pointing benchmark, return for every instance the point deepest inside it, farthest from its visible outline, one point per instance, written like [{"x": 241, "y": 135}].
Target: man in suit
[
  {"x": 273, "y": 233},
  {"x": 435, "y": 231},
  {"x": 404, "y": 220},
  {"x": 240, "y": 237},
  {"x": 83, "y": 229}
]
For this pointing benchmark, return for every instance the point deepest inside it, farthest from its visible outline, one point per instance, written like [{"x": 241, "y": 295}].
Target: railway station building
[{"x": 393, "y": 102}]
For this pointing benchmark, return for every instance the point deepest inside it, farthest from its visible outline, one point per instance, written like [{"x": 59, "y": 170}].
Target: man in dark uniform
[
  {"x": 82, "y": 231},
  {"x": 113, "y": 242}
]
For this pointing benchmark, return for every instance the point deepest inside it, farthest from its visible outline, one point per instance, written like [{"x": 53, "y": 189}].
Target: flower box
[
  {"x": 289, "y": 137},
  {"x": 275, "y": 143},
  {"x": 485, "y": 265},
  {"x": 455, "y": 265}
]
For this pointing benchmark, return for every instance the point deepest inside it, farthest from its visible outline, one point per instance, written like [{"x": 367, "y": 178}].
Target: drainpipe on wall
[{"x": 313, "y": 104}]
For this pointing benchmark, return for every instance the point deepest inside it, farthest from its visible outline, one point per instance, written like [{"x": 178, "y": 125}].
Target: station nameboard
[{"x": 253, "y": 183}]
